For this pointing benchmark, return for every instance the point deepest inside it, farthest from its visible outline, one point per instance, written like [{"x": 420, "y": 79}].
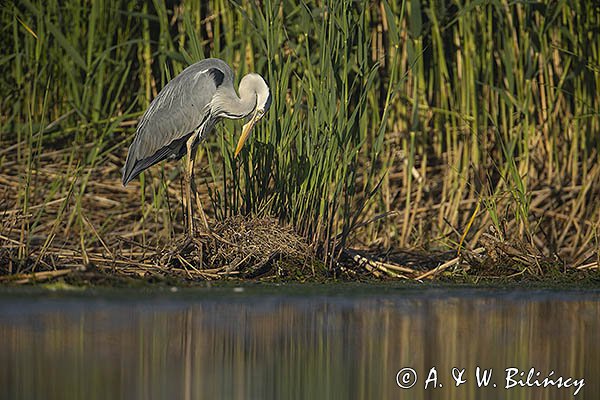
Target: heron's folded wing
[{"x": 174, "y": 114}]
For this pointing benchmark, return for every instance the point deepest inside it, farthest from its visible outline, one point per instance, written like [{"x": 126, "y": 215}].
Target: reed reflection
[{"x": 265, "y": 347}]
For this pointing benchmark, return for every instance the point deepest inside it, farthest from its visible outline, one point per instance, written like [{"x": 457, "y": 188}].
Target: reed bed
[{"x": 406, "y": 139}]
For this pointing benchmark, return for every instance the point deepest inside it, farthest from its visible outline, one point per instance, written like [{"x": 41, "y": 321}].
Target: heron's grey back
[{"x": 174, "y": 114}]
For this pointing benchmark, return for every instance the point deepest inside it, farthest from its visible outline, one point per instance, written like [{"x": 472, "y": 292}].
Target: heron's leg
[
  {"x": 196, "y": 195},
  {"x": 187, "y": 177},
  {"x": 199, "y": 205}
]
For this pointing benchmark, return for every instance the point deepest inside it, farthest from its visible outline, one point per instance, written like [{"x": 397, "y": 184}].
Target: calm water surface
[{"x": 296, "y": 343}]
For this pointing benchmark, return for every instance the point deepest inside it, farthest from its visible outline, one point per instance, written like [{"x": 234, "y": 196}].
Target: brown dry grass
[
  {"x": 466, "y": 124},
  {"x": 44, "y": 243}
]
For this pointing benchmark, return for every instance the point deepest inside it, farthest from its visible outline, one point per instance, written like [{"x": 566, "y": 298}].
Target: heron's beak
[{"x": 246, "y": 129}]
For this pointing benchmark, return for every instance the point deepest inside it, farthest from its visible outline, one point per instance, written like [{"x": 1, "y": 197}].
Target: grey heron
[{"x": 185, "y": 111}]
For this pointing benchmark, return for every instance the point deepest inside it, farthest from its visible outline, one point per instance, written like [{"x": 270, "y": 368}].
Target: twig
[{"x": 446, "y": 265}]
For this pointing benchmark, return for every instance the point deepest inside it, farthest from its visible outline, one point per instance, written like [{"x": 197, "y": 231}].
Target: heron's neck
[{"x": 230, "y": 105}]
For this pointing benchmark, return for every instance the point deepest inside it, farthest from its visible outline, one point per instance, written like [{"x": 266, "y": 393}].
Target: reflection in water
[{"x": 260, "y": 346}]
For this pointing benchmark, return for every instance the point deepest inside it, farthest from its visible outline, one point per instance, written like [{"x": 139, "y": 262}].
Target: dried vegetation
[{"x": 406, "y": 140}]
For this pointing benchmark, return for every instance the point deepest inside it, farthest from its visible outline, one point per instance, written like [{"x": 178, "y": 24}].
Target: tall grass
[{"x": 392, "y": 121}]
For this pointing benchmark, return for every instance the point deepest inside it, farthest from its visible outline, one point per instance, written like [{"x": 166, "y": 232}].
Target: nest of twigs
[
  {"x": 244, "y": 247},
  {"x": 513, "y": 257}
]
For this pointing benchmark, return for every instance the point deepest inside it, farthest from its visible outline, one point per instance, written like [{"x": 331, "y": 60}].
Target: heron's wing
[{"x": 180, "y": 108}]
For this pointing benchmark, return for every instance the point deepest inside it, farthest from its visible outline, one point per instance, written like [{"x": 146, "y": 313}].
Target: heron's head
[{"x": 257, "y": 87}]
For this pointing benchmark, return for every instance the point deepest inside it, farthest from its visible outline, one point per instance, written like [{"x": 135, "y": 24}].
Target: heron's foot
[
  {"x": 184, "y": 244},
  {"x": 181, "y": 247},
  {"x": 197, "y": 229},
  {"x": 195, "y": 241}
]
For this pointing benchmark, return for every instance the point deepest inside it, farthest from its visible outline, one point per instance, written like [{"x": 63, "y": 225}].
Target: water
[{"x": 297, "y": 343}]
